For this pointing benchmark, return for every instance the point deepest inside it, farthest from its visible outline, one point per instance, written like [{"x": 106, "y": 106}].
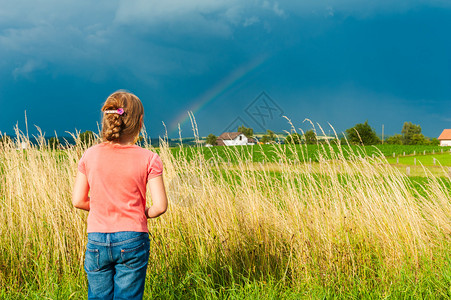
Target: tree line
[
  {"x": 359, "y": 134},
  {"x": 364, "y": 134}
]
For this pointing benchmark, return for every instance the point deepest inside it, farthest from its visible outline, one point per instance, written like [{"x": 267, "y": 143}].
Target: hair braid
[{"x": 114, "y": 126}]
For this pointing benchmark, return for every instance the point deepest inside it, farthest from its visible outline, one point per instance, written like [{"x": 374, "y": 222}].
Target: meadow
[
  {"x": 305, "y": 153},
  {"x": 264, "y": 222}
]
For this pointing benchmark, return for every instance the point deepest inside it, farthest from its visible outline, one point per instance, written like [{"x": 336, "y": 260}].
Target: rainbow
[{"x": 214, "y": 92}]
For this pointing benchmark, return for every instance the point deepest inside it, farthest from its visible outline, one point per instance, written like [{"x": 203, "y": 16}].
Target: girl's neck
[{"x": 122, "y": 142}]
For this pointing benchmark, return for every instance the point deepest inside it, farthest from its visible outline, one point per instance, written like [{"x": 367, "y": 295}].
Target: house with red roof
[{"x": 445, "y": 138}]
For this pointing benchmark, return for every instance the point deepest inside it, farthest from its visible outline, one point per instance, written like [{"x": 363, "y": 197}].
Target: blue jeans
[{"x": 116, "y": 264}]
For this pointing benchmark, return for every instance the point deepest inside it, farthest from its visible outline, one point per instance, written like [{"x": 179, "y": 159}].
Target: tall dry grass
[{"x": 342, "y": 224}]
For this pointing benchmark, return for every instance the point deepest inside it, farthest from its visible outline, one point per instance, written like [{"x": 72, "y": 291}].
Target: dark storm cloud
[{"x": 59, "y": 60}]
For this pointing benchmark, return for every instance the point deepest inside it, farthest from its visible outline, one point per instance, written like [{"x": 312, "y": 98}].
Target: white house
[
  {"x": 234, "y": 139},
  {"x": 445, "y": 137}
]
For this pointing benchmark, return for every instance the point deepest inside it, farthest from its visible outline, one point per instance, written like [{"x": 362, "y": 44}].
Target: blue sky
[{"x": 253, "y": 62}]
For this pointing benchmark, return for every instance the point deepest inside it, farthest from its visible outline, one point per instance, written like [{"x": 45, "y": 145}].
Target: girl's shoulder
[
  {"x": 93, "y": 149},
  {"x": 149, "y": 153}
]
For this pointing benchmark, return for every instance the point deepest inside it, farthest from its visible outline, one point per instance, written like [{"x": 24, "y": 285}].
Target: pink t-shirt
[{"x": 117, "y": 177}]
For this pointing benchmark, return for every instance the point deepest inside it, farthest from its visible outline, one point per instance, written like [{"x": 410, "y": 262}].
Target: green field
[
  {"x": 425, "y": 160},
  {"x": 303, "y": 153}
]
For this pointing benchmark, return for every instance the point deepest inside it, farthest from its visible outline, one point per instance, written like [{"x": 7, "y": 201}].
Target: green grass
[
  {"x": 431, "y": 283},
  {"x": 205, "y": 280}
]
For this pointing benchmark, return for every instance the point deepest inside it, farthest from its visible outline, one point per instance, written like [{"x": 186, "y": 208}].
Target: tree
[
  {"x": 87, "y": 138},
  {"x": 269, "y": 137},
  {"x": 408, "y": 131},
  {"x": 294, "y": 138},
  {"x": 212, "y": 139},
  {"x": 248, "y": 132},
  {"x": 362, "y": 134},
  {"x": 394, "y": 140},
  {"x": 54, "y": 143},
  {"x": 434, "y": 142},
  {"x": 419, "y": 139},
  {"x": 310, "y": 137}
]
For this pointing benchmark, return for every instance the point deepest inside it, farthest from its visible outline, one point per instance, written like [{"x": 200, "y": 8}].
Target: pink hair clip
[{"x": 119, "y": 111}]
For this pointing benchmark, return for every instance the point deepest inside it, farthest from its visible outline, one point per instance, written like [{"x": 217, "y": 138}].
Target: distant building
[
  {"x": 445, "y": 138},
  {"x": 234, "y": 139},
  {"x": 251, "y": 141},
  {"x": 22, "y": 146}
]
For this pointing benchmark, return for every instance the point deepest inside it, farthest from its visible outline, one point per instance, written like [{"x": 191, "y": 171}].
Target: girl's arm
[
  {"x": 80, "y": 197},
  {"x": 159, "y": 200}
]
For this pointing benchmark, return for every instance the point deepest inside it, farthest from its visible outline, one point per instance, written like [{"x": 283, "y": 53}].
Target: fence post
[
  {"x": 433, "y": 151},
  {"x": 424, "y": 152},
  {"x": 415, "y": 161},
  {"x": 408, "y": 171},
  {"x": 404, "y": 154},
  {"x": 433, "y": 160},
  {"x": 393, "y": 154},
  {"x": 414, "y": 152},
  {"x": 397, "y": 160}
]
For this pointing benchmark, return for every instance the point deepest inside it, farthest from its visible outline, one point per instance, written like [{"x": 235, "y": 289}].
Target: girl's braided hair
[{"x": 116, "y": 127}]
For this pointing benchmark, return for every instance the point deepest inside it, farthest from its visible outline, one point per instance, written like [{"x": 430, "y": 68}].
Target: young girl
[{"x": 111, "y": 185}]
